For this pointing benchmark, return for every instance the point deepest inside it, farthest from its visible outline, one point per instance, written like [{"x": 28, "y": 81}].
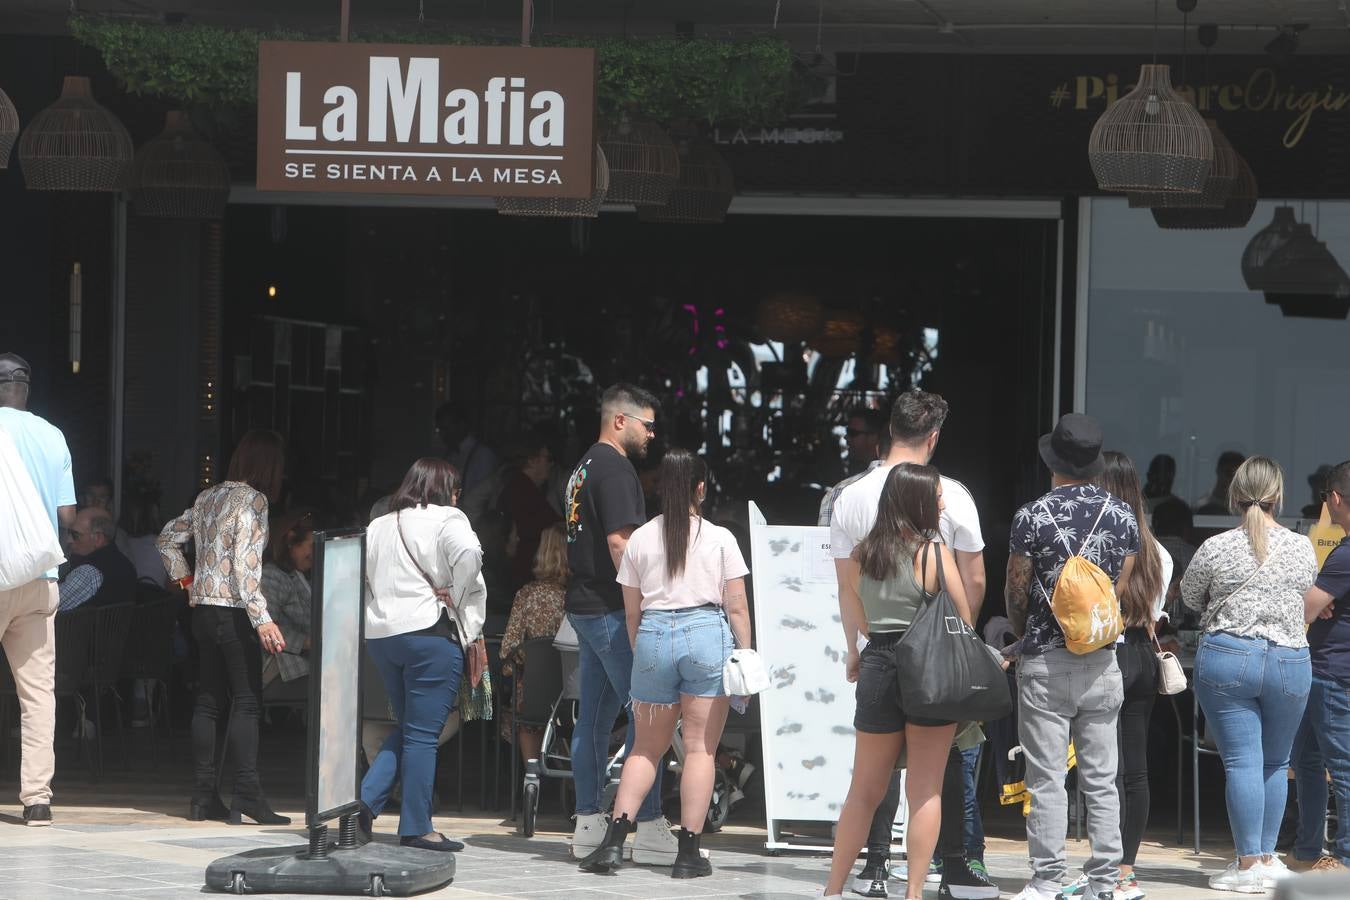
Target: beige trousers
[{"x": 28, "y": 634}]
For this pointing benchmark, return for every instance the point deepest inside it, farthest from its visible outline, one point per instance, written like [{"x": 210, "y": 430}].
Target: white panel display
[
  {"x": 340, "y": 667},
  {"x": 807, "y": 716}
]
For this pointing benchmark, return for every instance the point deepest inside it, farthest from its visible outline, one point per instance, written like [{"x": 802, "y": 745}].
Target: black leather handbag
[{"x": 943, "y": 669}]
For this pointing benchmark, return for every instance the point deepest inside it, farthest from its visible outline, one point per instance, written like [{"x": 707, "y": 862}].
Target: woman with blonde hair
[
  {"x": 536, "y": 612},
  {"x": 1252, "y": 670}
]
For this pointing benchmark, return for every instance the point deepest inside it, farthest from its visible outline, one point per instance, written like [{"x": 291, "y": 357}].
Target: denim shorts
[
  {"x": 878, "y": 709},
  {"x": 680, "y": 651}
]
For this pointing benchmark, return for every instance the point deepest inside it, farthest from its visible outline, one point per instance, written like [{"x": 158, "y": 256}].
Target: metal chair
[
  {"x": 74, "y": 656},
  {"x": 112, "y": 626},
  {"x": 149, "y": 655},
  {"x": 536, "y": 706}
]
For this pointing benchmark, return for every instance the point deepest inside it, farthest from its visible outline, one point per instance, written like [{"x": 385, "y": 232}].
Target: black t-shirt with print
[{"x": 603, "y": 496}]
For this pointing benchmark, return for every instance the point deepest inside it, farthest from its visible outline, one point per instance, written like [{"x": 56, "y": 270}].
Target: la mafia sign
[{"x": 442, "y": 120}]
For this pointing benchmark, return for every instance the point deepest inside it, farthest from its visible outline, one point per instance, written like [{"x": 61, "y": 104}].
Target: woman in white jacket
[{"x": 425, "y": 602}]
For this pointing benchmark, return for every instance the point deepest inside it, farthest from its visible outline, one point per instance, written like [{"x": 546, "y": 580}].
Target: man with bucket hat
[
  {"x": 27, "y": 610},
  {"x": 1068, "y": 694}
]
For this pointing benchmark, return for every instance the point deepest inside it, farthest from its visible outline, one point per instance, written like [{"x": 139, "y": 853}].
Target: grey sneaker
[{"x": 38, "y": 815}]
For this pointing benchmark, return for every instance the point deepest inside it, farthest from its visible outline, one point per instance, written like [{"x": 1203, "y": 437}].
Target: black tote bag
[{"x": 943, "y": 670}]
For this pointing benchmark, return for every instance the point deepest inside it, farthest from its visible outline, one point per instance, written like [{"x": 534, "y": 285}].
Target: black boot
[
  {"x": 609, "y": 855},
  {"x": 213, "y": 808},
  {"x": 690, "y": 862},
  {"x": 258, "y": 810}
]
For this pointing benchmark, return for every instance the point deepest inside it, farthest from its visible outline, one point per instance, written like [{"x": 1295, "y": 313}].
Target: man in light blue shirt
[{"x": 27, "y": 612}]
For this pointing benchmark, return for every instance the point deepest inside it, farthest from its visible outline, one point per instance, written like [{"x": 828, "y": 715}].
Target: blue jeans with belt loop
[{"x": 1253, "y": 692}]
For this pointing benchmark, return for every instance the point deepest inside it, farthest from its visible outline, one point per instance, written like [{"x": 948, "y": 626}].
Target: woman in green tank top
[{"x": 893, "y": 576}]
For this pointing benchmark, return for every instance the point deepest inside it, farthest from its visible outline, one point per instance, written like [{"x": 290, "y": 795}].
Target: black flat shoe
[
  {"x": 444, "y": 845},
  {"x": 214, "y": 809},
  {"x": 259, "y": 812},
  {"x": 365, "y": 823}
]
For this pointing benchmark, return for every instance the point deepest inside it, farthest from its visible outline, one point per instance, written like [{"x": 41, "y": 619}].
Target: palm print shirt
[
  {"x": 228, "y": 522},
  {"x": 1058, "y": 525}
]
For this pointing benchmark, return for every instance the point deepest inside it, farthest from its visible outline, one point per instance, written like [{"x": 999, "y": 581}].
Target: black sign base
[{"x": 374, "y": 870}]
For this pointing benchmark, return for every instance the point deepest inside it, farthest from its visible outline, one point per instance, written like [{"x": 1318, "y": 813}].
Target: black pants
[
  {"x": 951, "y": 836},
  {"x": 230, "y": 675},
  {"x": 1139, "y": 671}
]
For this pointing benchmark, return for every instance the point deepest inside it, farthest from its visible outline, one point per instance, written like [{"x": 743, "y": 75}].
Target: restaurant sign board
[{"x": 440, "y": 120}]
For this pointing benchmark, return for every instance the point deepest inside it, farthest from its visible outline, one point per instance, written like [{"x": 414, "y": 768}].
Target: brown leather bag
[{"x": 475, "y": 654}]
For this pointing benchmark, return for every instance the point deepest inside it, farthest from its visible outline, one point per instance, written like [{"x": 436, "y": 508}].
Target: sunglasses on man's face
[{"x": 649, "y": 424}]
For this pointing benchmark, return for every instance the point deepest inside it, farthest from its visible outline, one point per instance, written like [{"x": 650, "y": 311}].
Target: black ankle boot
[
  {"x": 258, "y": 810},
  {"x": 201, "y": 810},
  {"x": 690, "y": 862},
  {"x": 609, "y": 855}
]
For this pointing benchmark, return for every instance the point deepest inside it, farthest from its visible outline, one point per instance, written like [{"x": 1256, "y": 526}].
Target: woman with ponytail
[
  {"x": 1252, "y": 669},
  {"x": 683, "y": 582}
]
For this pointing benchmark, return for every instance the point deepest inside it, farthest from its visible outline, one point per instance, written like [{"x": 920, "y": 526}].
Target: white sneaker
[
  {"x": 1274, "y": 871},
  {"x": 1038, "y": 890},
  {"x": 1251, "y": 881},
  {"x": 588, "y": 835},
  {"x": 900, "y": 872},
  {"x": 655, "y": 844}
]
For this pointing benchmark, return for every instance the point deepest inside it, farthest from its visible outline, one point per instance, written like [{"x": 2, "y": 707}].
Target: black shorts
[{"x": 878, "y": 696}]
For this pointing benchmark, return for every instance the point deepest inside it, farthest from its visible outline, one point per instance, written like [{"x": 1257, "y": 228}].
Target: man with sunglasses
[
  {"x": 1328, "y": 711},
  {"x": 604, "y": 505},
  {"x": 101, "y": 575}
]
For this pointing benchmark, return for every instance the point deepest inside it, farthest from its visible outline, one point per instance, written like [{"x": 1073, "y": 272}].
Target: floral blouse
[
  {"x": 1270, "y": 606},
  {"x": 536, "y": 612},
  {"x": 228, "y": 522}
]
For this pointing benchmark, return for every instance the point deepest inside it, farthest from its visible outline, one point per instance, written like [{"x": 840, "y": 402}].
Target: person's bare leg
[
  {"x": 926, "y": 762},
  {"x": 874, "y": 759},
  {"x": 654, "y": 727},
  {"x": 704, "y": 719}
]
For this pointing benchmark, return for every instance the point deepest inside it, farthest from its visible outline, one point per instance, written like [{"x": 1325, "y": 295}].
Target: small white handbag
[
  {"x": 743, "y": 674},
  {"x": 1171, "y": 676}
]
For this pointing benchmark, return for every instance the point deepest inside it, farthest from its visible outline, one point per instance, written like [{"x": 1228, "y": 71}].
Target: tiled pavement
[{"x": 134, "y": 853}]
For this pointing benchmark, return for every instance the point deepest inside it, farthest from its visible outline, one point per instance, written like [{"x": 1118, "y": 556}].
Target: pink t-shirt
[{"x": 713, "y": 559}]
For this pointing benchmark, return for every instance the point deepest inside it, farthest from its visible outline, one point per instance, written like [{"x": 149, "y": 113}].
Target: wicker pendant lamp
[
  {"x": 562, "y": 207},
  {"x": 1264, "y": 245},
  {"x": 1304, "y": 265},
  {"x": 1235, "y": 212},
  {"x": 1223, "y": 174},
  {"x": 75, "y": 144},
  {"x": 179, "y": 175},
  {"x": 703, "y": 192},
  {"x": 1151, "y": 139},
  {"x": 9, "y": 128},
  {"x": 644, "y": 163}
]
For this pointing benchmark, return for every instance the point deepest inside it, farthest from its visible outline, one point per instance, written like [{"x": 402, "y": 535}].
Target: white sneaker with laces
[
  {"x": 1274, "y": 871},
  {"x": 655, "y": 844},
  {"x": 1241, "y": 881},
  {"x": 1038, "y": 890},
  {"x": 588, "y": 834}
]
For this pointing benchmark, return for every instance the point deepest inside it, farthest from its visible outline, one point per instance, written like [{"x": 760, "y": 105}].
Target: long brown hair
[
  {"x": 681, "y": 474},
  {"x": 430, "y": 482},
  {"x": 260, "y": 462},
  {"x": 907, "y": 515},
  {"x": 1120, "y": 479}
]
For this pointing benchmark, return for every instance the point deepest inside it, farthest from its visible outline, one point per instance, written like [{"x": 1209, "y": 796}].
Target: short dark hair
[
  {"x": 286, "y": 532},
  {"x": 1338, "y": 479},
  {"x": 917, "y": 414},
  {"x": 629, "y": 395},
  {"x": 260, "y": 462},
  {"x": 525, "y": 447},
  {"x": 430, "y": 481}
]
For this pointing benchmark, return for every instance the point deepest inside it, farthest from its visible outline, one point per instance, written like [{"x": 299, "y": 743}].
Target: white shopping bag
[{"x": 28, "y": 544}]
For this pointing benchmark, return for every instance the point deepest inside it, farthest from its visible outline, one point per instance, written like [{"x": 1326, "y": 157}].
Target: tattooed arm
[{"x": 1017, "y": 591}]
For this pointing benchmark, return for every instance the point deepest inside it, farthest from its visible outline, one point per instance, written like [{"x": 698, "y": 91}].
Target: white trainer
[
  {"x": 1038, "y": 890},
  {"x": 588, "y": 835},
  {"x": 1274, "y": 872},
  {"x": 655, "y": 844},
  {"x": 1241, "y": 881}
]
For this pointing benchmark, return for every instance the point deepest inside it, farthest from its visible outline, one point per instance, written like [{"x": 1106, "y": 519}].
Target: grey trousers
[{"x": 1063, "y": 697}]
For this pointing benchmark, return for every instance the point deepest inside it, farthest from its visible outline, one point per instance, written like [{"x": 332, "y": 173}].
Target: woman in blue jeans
[
  {"x": 683, "y": 584},
  {"x": 425, "y": 602},
  {"x": 1252, "y": 670}
]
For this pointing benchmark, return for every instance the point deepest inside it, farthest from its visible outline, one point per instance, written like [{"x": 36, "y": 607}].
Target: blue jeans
[
  {"x": 1253, "y": 693},
  {"x": 1310, "y": 780},
  {"x": 974, "y": 827},
  {"x": 1328, "y": 743},
  {"x": 421, "y": 674},
  {"x": 606, "y": 670}
]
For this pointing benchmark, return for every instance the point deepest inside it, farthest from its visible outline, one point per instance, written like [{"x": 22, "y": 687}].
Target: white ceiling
[{"x": 979, "y": 26}]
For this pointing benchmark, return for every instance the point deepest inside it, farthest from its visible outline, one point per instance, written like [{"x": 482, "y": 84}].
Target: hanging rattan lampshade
[
  {"x": 9, "y": 128},
  {"x": 1304, "y": 265},
  {"x": 1218, "y": 183},
  {"x": 75, "y": 144},
  {"x": 1236, "y": 211},
  {"x": 840, "y": 336},
  {"x": 1151, "y": 139},
  {"x": 643, "y": 163},
  {"x": 179, "y": 175},
  {"x": 1264, "y": 245},
  {"x": 790, "y": 318},
  {"x": 562, "y": 207},
  {"x": 703, "y": 192}
]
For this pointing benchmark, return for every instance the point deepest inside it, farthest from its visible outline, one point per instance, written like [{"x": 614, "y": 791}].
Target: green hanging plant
[{"x": 751, "y": 83}]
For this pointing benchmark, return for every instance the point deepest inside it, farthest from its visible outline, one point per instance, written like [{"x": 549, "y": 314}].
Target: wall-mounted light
[
  {"x": 272, "y": 291},
  {"x": 76, "y": 314}
]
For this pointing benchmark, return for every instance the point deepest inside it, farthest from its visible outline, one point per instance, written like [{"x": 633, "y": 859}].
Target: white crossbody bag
[{"x": 743, "y": 674}]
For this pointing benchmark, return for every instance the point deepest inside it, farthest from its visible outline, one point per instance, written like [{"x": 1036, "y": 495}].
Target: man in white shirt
[{"x": 916, "y": 423}]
